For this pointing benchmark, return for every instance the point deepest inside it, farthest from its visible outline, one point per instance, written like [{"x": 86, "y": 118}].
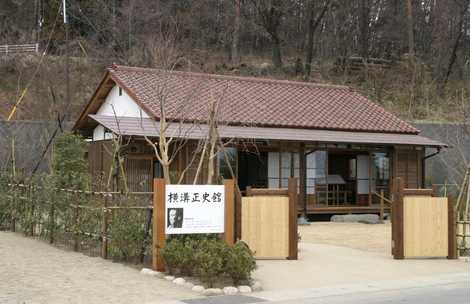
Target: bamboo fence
[{"x": 108, "y": 224}]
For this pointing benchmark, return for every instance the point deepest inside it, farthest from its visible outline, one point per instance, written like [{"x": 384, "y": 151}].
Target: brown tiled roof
[{"x": 255, "y": 101}]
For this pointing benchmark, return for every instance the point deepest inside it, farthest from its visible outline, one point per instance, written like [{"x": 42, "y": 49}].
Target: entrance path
[
  {"x": 373, "y": 238},
  {"x": 332, "y": 254},
  {"x": 32, "y": 271},
  {"x": 321, "y": 265}
]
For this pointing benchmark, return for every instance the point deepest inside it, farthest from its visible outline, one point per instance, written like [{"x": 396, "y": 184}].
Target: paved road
[
  {"x": 452, "y": 289},
  {"x": 32, "y": 271},
  {"x": 457, "y": 293}
]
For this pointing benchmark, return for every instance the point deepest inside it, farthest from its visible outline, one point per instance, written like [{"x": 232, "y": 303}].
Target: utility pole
[{"x": 67, "y": 78}]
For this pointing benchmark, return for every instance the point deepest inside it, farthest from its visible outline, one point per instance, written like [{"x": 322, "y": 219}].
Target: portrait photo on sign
[{"x": 175, "y": 218}]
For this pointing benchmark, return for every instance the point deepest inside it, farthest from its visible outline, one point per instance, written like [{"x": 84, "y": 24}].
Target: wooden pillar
[
  {"x": 398, "y": 249},
  {"x": 369, "y": 198},
  {"x": 280, "y": 165},
  {"x": 229, "y": 231},
  {"x": 238, "y": 213},
  {"x": 292, "y": 164},
  {"x": 158, "y": 223},
  {"x": 382, "y": 195},
  {"x": 302, "y": 179},
  {"x": 293, "y": 233},
  {"x": 326, "y": 177},
  {"x": 452, "y": 253}
]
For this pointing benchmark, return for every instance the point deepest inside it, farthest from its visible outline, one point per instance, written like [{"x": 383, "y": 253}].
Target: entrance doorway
[{"x": 252, "y": 170}]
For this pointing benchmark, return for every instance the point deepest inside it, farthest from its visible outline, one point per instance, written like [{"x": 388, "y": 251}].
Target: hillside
[{"x": 412, "y": 59}]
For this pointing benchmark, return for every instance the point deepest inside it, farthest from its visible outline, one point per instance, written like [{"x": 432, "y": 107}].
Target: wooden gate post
[
  {"x": 293, "y": 233},
  {"x": 398, "y": 248},
  {"x": 452, "y": 231},
  {"x": 158, "y": 223},
  {"x": 229, "y": 210}
]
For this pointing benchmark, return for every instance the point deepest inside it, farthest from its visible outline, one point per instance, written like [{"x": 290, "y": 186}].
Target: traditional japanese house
[{"x": 344, "y": 149}]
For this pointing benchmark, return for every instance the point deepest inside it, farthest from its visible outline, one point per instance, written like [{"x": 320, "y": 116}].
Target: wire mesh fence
[{"x": 108, "y": 224}]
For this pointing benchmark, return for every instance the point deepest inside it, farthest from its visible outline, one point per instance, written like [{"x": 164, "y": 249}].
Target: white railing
[{"x": 19, "y": 48}]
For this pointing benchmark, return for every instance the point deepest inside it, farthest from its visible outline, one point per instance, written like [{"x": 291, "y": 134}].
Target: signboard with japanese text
[{"x": 194, "y": 209}]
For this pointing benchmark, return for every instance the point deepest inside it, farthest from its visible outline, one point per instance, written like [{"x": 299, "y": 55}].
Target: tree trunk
[
  {"x": 312, "y": 26},
  {"x": 276, "y": 51},
  {"x": 236, "y": 36},
  {"x": 455, "y": 48},
  {"x": 166, "y": 173},
  {"x": 210, "y": 160},
  {"x": 411, "y": 37},
  {"x": 364, "y": 25}
]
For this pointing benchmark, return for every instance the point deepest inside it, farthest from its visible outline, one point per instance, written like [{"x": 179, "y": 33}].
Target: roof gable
[{"x": 255, "y": 101}]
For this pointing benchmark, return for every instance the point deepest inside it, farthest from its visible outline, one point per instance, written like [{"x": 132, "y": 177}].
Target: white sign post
[{"x": 193, "y": 209}]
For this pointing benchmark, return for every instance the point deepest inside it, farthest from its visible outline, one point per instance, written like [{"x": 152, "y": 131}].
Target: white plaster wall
[
  {"x": 100, "y": 134},
  {"x": 123, "y": 105}
]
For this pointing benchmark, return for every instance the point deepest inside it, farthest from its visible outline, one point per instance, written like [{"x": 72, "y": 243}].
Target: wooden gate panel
[
  {"x": 425, "y": 226},
  {"x": 265, "y": 225}
]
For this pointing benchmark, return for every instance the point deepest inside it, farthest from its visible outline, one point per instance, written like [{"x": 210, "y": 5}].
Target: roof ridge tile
[{"x": 232, "y": 77}]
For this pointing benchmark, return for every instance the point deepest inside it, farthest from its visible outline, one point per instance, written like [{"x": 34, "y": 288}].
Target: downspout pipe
[
  {"x": 423, "y": 167},
  {"x": 305, "y": 182}
]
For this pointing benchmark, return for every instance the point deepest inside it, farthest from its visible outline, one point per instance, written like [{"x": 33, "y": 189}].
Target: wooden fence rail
[{"x": 19, "y": 48}]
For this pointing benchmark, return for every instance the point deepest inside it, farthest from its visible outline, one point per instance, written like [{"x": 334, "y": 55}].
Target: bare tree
[
  {"x": 313, "y": 22},
  {"x": 167, "y": 146},
  {"x": 464, "y": 7},
  {"x": 269, "y": 16},
  {"x": 235, "y": 55},
  {"x": 364, "y": 6}
]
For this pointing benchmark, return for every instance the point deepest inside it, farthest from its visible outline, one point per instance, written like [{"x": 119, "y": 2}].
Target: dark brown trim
[
  {"x": 303, "y": 178},
  {"x": 420, "y": 192},
  {"x": 293, "y": 232},
  {"x": 108, "y": 76},
  {"x": 452, "y": 253},
  {"x": 398, "y": 246},
  {"x": 266, "y": 192},
  {"x": 90, "y": 103}
]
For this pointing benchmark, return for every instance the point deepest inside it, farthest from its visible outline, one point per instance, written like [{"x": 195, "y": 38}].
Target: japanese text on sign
[{"x": 194, "y": 209}]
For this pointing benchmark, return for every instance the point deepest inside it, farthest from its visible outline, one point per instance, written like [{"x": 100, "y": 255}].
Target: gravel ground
[
  {"x": 32, "y": 271},
  {"x": 367, "y": 237}
]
